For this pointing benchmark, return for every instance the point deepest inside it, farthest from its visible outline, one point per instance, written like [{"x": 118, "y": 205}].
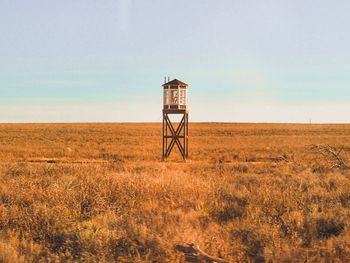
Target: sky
[{"x": 105, "y": 61}]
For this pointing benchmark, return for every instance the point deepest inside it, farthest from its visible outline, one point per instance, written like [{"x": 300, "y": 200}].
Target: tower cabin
[{"x": 175, "y": 96}]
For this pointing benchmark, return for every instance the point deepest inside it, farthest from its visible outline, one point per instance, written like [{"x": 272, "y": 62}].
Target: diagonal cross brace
[{"x": 175, "y": 136}]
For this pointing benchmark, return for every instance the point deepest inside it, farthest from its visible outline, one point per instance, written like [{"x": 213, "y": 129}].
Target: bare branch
[
  {"x": 331, "y": 152},
  {"x": 194, "y": 254}
]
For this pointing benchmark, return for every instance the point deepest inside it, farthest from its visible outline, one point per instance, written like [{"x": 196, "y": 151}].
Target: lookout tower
[{"x": 175, "y": 102}]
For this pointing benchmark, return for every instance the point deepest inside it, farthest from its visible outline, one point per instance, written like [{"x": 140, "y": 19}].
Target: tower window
[{"x": 174, "y": 97}]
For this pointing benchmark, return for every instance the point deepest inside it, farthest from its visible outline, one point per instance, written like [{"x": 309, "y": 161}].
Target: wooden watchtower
[{"x": 175, "y": 102}]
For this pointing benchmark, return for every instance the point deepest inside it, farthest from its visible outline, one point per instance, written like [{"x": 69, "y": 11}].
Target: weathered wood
[
  {"x": 181, "y": 132},
  {"x": 175, "y": 102},
  {"x": 330, "y": 152},
  {"x": 194, "y": 254},
  {"x": 175, "y": 111}
]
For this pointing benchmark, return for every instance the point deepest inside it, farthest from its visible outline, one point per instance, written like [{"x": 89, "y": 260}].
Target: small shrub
[
  {"x": 240, "y": 169},
  {"x": 228, "y": 207},
  {"x": 328, "y": 227},
  {"x": 344, "y": 199},
  {"x": 228, "y": 213},
  {"x": 254, "y": 246},
  {"x": 137, "y": 249}
]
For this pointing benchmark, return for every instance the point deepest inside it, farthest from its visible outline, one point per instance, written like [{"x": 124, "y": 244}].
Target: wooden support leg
[
  {"x": 163, "y": 143},
  {"x": 186, "y": 135},
  {"x": 178, "y": 136}
]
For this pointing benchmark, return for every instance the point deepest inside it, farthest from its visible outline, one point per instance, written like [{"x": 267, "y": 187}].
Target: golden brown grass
[{"x": 99, "y": 192}]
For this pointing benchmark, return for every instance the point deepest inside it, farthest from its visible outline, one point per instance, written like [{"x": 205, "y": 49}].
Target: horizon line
[{"x": 159, "y": 122}]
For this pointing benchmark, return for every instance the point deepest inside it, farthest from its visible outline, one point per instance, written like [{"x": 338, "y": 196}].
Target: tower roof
[{"x": 175, "y": 82}]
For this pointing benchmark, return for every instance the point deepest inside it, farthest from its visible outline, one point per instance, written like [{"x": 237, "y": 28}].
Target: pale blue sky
[{"x": 252, "y": 60}]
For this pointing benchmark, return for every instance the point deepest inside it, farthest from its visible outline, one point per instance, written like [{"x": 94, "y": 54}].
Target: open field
[{"x": 99, "y": 192}]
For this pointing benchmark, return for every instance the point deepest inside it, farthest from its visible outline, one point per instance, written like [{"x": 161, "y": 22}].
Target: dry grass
[{"x": 99, "y": 192}]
